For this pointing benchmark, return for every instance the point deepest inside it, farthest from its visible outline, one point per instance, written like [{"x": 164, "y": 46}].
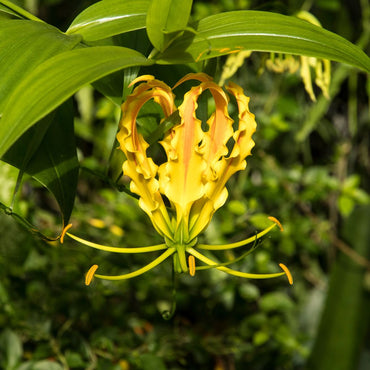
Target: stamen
[
  {"x": 90, "y": 274},
  {"x": 191, "y": 261},
  {"x": 229, "y": 271},
  {"x": 287, "y": 273},
  {"x": 107, "y": 248},
  {"x": 64, "y": 233},
  {"x": 142, "y": 270},
  {"x": 277, "y": 222},
  {"x": 242, "y": 243}
]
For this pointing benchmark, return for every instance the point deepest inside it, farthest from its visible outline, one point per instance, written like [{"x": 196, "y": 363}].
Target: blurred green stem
[{"x": 346, "y": 313}]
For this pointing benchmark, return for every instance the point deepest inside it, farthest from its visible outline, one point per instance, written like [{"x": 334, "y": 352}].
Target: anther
[
  {"x": 287, "y": 272},
  {"x": 191, "y": 261},
  {"x": 90, "y": 274},
  {"x": 277, "y": 222},
  {"x": 64, "y": 233}
]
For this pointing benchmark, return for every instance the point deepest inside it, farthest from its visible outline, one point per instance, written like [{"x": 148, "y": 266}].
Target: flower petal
[
  {"x": 181, "y": 177},
  {"x": 224, "y": 167},
  {"x": 140, "y": 168}
]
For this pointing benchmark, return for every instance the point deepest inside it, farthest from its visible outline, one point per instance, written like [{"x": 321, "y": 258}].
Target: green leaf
[
  {"x": 230, "y": 32},
  {"x": 4, "y": 10},
  {"x": 47, "y": 152},
  {"x": 165, "y": 19},
  {"x": 149, "y": 361},
  {"x": 23, "y": 46},
  {"x": 109, "y": 17},
  {"x": 11, "y": 349},
  {"x": 9, "y": 7},
  {"x": 112, "y": 86},
  {"x": 55, "y": 80}
]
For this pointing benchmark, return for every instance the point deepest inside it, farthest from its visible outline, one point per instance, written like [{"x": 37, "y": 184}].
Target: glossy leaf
[
  {"x": 23, "y": 46},
  {"x": 165, "y": 19},
  {"x": 231, "y": 32},
  {"x": 112, "y": 86},
  {"x": 4, "y": 10},
  {"x": 47, "y": 152},
  {"x": 55, "y": 80},
  {"x": 109, "y": 17},
  {"x": 8, "y": 7}
]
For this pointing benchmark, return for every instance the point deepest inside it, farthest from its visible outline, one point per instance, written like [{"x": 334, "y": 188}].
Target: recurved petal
[
  {"x": 220, "y": 128},
  {"x": 181, "y": 176},
  {"x": 138, "y": 166},
  {"x": 223, "y": 168},
  {"x": 202, "y": 77}
]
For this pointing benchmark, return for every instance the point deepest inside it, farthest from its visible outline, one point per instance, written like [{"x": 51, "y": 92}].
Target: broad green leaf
[
  {"x": 47, "y": 152},
  {"x": 109, "y": 17},
  {"x": 112, "y": 86},
  {"x": 231, "y": 32},
  {"x": 23, "y": 46},
  {"x": 55, "y": 80},
  {"x": 21, "y": 153},
  {"x": 165, "y": 19}
]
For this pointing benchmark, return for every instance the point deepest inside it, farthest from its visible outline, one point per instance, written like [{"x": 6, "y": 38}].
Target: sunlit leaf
[
  {"x": 112, "y": 86},
  {"x": 23, "y": 46},
  {"x": 109, "y": 17},
  {"x": 55, "y": 80},
  {"x": 165, "y": 19},
  {"x": 230, "y": 32}
]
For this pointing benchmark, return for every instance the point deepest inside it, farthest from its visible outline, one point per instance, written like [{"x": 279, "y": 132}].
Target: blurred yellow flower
[
  {"x": 181, "y": 195},
  {"x": 281, "y": 63}
]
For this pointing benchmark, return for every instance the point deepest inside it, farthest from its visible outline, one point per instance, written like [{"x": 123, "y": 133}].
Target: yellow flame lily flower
[
  {"x": 286, "y": 62},
  {"x": 192, "y": 180}
]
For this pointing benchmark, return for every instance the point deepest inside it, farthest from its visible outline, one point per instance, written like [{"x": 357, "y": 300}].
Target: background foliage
[{"x": 310, "y": 168}]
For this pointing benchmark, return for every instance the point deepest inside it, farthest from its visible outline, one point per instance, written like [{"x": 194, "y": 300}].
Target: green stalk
[{"x": 20, "y": 11}]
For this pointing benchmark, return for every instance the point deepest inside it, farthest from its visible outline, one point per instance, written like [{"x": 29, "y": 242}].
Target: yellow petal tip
[
  {"x": 90, "y": 274},
  {"x": 62, "y": 235},
  {"x": 287, "y": 273},
  {"x": 140, "y": 79}
]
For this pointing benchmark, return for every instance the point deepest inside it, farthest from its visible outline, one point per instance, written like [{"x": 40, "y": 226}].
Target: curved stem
[
  {"x": 142, "y": 270},
  {"x": 108, "y": 248},
  {"x": 20, "y": 11},
  {"x": 210, "y": 262}
]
